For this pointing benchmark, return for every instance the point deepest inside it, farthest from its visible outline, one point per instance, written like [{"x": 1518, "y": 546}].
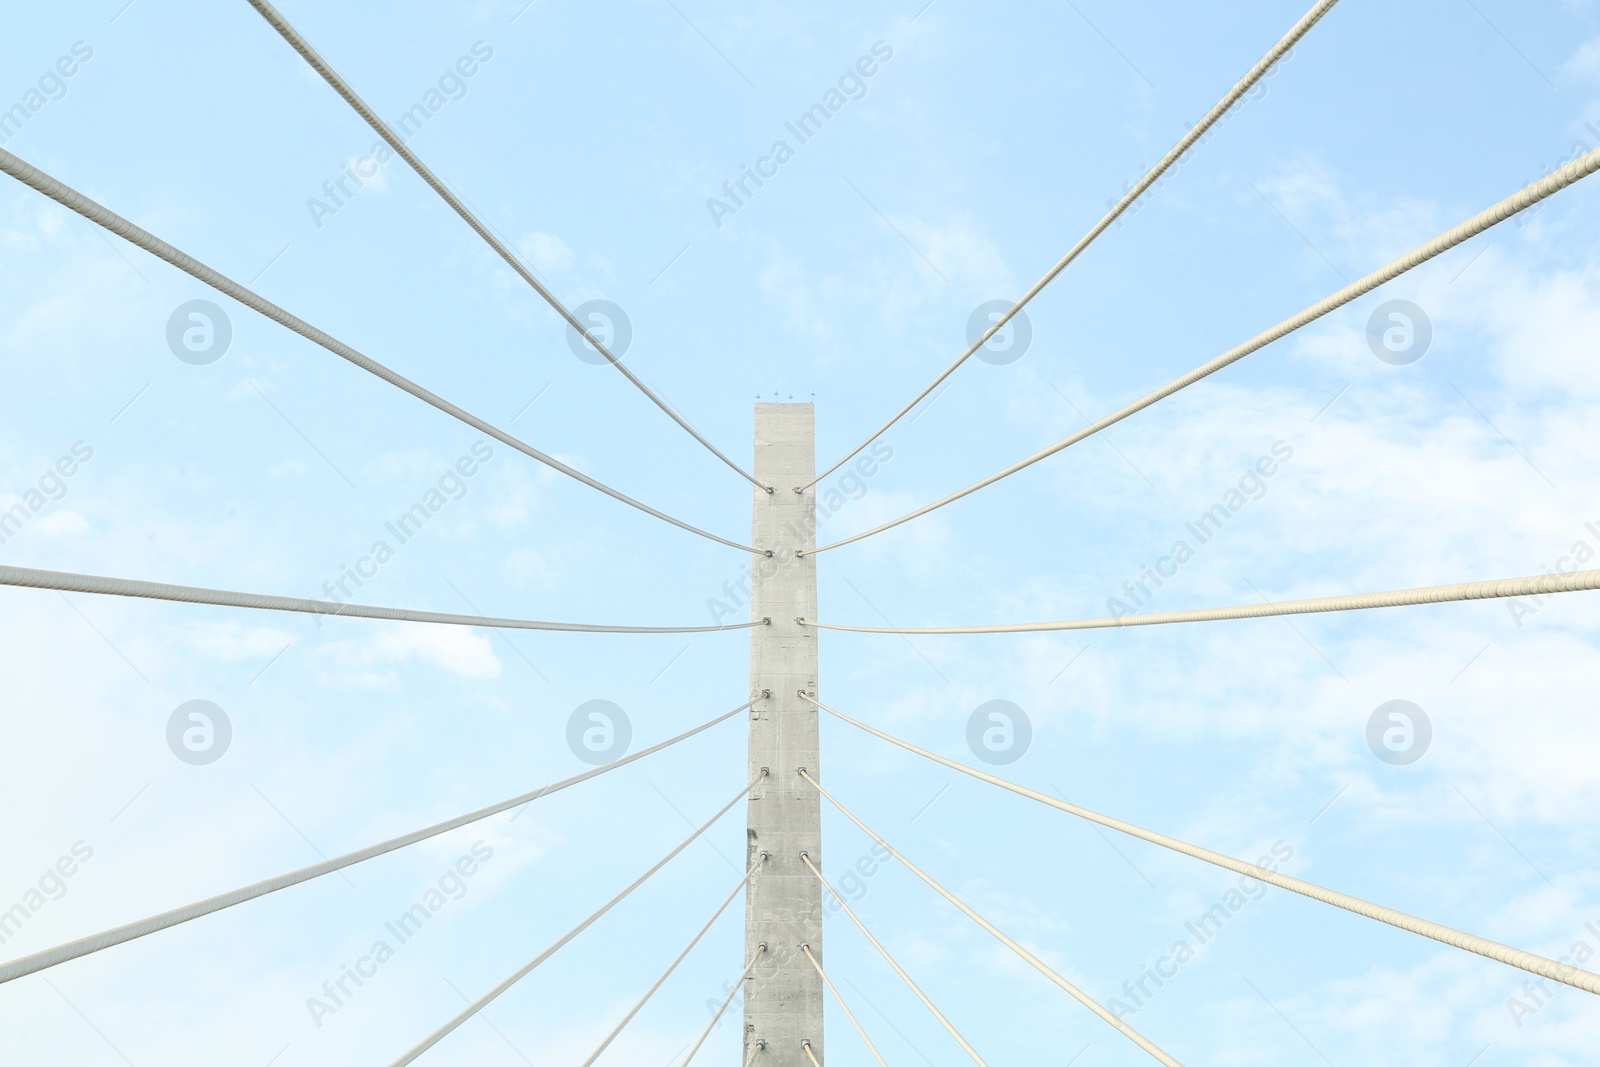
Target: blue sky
[{"x": 593, "y": 137}]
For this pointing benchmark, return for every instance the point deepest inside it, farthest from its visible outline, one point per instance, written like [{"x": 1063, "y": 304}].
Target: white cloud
[
  {"x": 548, "y": 253},
  {"x": 234, "y": 642},
  {"x": 1585, "y": 62},
  {"x": 455, "y": 649},
  {"x": 890, "y": 283},
  {"x": 61, "y": 524}
]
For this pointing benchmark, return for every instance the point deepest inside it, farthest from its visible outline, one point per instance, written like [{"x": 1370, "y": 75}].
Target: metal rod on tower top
[{"x": 783, "y": 904}]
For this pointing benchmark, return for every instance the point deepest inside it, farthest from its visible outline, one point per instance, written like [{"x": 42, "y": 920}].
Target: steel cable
[
  {"x": 899, "y": 970},
  {"x": 1515, "y": 203},
  {"x": 1535, "y": 585},
  {"x": 693, "y": 941},
  {"x": 1515, "y": 957},
  {"x": 68, "y": 582},
  {"x": 276, "y": 20},
  {"x": 72, "y": 950},
  {"x": 1255, "y": 74},
  {"x": 848, "y": 1014},
  {"x": 483, "y": 1001},
  {"x": 1043, "y": 968},
  {"x": 102, "y": 216},
  {"x": 744, "y": 976}
]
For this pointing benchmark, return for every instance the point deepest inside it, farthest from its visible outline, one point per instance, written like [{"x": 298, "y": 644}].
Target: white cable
[
  {"x": 102, "y": 216},
  {"x": 1535, "y": 585},
  {"x": 904, "y": 977},
  {"x": 64, "y": 581},
  {"x": 383, "y": 129},
  {"x": 483, "y": 1001},
  {"x": 848, "y": 1014},
  {"x": 1043, "y": 968},
  {"x": 755, "y": 1050},
  {"x": 1255, "y": 74},
  {"x": 744, "y": 976},
  {"x": 648, "y": 993},
  {"x": 1515, "y": 957},
  {"x": 805, "y": 1046},
  {"x": 1505, "y": 209},
  {"x": 85, "y": 946}
]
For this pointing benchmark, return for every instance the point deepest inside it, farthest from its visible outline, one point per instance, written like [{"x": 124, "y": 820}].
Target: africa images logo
[
  {"x": 199, "y": 732},
  {"x": 1399, "y": 732},
  {"x": 598, "y": 732},
  {"x": 999, "y": 732}
]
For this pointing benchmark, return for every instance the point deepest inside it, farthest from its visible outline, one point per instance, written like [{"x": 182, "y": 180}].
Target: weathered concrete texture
[{"x": 783, "y": 906}]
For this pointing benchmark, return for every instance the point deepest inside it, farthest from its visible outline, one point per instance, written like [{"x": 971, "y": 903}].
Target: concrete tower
[{"x": 783, "y": 906}]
